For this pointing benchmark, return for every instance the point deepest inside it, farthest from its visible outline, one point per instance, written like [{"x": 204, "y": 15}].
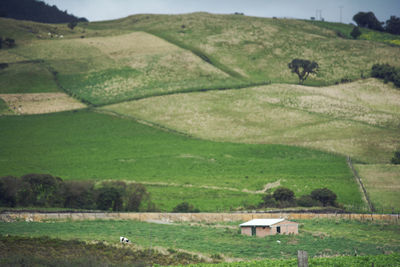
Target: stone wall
[{"x": 189, "y": 217}]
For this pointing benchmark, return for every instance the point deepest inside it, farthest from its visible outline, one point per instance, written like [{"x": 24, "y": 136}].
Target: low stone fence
[{"x": 189, "y": 217}]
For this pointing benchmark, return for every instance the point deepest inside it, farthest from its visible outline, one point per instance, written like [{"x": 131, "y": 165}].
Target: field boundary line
[{"x": 361, "y": 185}]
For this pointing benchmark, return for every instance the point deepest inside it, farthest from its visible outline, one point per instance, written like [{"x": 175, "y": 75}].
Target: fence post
[{"x": 302, "y": 258}]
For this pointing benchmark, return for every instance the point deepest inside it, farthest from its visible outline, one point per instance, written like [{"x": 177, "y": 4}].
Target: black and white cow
[{"x": 124, "y": 239}]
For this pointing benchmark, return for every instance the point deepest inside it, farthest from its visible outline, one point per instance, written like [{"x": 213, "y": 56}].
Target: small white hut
[{"x": 264, "y": 227}]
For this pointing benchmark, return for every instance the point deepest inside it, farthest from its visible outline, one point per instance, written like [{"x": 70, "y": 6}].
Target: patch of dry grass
[
  {"x": 359, "y": 119},
  {"x": 40, "y": 103},
  {"x": 382, "y": 182}
]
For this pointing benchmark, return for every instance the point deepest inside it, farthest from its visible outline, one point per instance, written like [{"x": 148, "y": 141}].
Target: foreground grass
[
  {"x": 45, "y": 251},
  {"x": 317, "y": 237},
  {"x": 359, "y": 119},
  {"x": 85, "y": 145},
  {"x": 344, "y": 261},
  {"x": 382, "y": 182}
]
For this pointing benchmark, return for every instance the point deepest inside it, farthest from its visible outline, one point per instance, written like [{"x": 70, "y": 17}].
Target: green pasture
[
  {"x": 87, "y": 145},
  {"x": 317, "y": 237},
  {"x": 358, "y": 119}
]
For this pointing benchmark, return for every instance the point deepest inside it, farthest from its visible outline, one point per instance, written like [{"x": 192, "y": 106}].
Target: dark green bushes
[
  {"x": 44, "y": 190},
  {"x": 387, "y": 73},
  {"x": 396, "y": 157},
  {"x": 185, "y": 207},
  {"x": 284, "y": 197}
]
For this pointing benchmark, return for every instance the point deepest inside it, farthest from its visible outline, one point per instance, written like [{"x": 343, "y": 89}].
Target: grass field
[
  {"x": 317, "y": 237},
  {"x": 382, "y": 182},
  {"x": 359, "y": 119},
  {"x": 86, "y": 145}
]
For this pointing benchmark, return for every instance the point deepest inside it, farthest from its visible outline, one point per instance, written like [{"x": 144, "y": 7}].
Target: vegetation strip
[{"x": 10, "y": 216}]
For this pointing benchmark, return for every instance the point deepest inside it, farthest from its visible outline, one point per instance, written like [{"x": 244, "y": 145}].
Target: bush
[
  {"x": 307, "y": 201},
  {"x": 283, "y": 194},
  {"x": 109, "y": 198},
  {"x": 325, "y": 196},
  {"x": 185, "y": 207},
  {"x": 8, "y": 191},
  {"x": 42, "y": 190},
  {"x": 396, "y": 158},
  {"x": 79, "y": 195},
  {"x": 386, "y": 72},
  {"x": 268, "y": 201},
  {"x": 355, "y": 33},
  {"x": 72, "y": 24}
]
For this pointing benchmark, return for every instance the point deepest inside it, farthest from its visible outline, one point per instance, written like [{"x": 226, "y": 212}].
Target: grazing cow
[{"x": 124, "y": 239}]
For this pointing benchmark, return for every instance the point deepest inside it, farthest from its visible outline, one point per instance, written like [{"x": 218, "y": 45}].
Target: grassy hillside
[
  {"x": 259, "y": 49},
  {"x": 113, "y": 61},
  {"x": 86, "y": 145},
  {"x": 359, "y": 119},
  {"x": 317, "y": 237}
]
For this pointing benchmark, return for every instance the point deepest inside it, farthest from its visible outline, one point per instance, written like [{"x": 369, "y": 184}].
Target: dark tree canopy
[
  {"x": 303, "y": 68},
  {"x": 393, "y": 25},
  {"x": 36, "y": 11},
  {"x": 368, "y": 20}
]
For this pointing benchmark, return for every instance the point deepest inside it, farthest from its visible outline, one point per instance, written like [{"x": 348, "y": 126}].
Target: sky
[{"x": 331, "y": 10}]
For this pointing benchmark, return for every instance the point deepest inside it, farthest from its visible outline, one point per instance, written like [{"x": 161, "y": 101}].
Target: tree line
[
  {"x": 35, "y": 11},
  {"x": 369, "y": 20},
  {"x": 44, "y": 190},
  {"x": 283, "y": 197}
]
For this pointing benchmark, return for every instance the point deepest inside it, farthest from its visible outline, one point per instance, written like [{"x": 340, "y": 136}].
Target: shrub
[
  {"x": 386, "y": 72},
  {"x": 109, "y": 198},
  {"x": 8, "y": 191},
  {"x": 185, "y": 207},
  {"x": 72, "y": 24},
  {"x": 325, "y": 196},
  {"x": 268, "y": 201},
  {"x": 355, "y": 33},
  {"x": 283, "y": 194},
  {"x": 79, "y": 195},
  {"x": 42, "y": 190},
  {"x": 307, "y": 201},
  {"x": 396, "y": 158}
]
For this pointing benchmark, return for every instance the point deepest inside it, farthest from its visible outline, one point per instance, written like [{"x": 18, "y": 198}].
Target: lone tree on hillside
[{"x": 303, "y": 68}]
